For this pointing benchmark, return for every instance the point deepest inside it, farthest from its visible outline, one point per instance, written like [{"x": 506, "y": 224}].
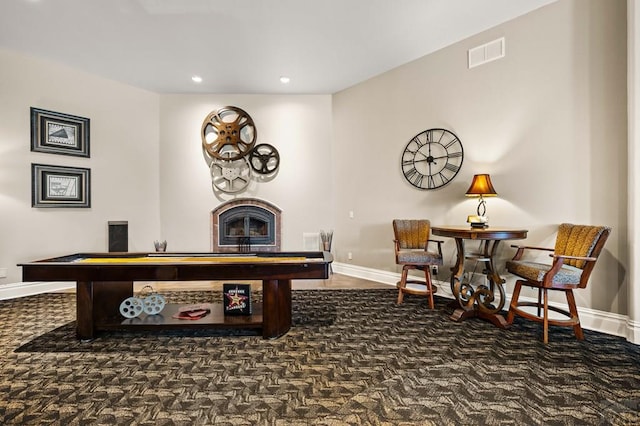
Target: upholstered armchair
[
  {"x": 412, "y": 252},
  {"x": 576, "y": 250}
]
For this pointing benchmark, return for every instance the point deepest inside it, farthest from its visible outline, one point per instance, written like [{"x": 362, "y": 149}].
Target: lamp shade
[{"x": 481, "y": 187}]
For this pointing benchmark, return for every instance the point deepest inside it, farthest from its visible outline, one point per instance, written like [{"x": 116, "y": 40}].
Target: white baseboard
[
  {"x": 590, "y": 319},
  {"x": 633, "y": 332},
  {"x": 375, "y": 275},
  {"x": 15, "y": 290}
]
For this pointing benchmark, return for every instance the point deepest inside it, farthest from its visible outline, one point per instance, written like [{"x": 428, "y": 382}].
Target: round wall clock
[{"x": 432, "y": 158}]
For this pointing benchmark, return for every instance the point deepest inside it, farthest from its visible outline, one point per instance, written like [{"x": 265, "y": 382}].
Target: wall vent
[{"x": 486, "y": 53}]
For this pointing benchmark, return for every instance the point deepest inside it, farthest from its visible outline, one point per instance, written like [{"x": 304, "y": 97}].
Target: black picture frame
[
  {"x": 60, "y": 186},
  {"x": 58, "y": 133}
]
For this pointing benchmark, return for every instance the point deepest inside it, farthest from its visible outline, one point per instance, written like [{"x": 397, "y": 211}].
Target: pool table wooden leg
[
  {"x": 84, "y": 310},
  {"x": 98, "y": 303},
  {"x": 276, "y": 308}
]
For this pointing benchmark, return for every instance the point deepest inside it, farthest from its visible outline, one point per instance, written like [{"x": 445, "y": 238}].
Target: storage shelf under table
[{"x": 164, "y": 320}]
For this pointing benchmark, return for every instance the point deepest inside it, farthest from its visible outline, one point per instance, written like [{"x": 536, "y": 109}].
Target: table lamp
[{"x": 480, "y": 187}]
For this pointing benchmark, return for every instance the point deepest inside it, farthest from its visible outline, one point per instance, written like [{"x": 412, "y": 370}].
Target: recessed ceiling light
[
  {"x": 284, "y": 80},
  {"x": 196, "y": 79}
]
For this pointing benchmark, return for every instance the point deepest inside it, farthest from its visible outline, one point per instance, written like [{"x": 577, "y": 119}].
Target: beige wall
[
  {"x": 548, "y": 122},
  {"x": 299, "y": 127},
  {"x": 123, "y": 163}
]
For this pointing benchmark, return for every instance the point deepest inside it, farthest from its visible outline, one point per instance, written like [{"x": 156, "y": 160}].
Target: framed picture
[
  {"x": 58, "y": 133},
  {"x": 58, "y": 186}
]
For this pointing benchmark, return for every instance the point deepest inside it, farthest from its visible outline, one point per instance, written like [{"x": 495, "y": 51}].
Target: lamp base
[
  {"x": 478, "y": 221},
  {"x": 480, "y": 225}
]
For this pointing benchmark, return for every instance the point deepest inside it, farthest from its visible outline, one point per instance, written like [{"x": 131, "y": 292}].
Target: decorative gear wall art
[
  {"x": 264, "y": 159},
  {"x": 229, "y": 139}
]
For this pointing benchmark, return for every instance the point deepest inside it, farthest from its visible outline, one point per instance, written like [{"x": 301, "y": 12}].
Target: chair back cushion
[
  {"x": 412, "y": 233},
  {"x": 577, "y": 240}
]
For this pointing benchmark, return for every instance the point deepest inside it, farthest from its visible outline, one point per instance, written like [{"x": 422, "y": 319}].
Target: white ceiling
[{"x": 244, "y": 46}]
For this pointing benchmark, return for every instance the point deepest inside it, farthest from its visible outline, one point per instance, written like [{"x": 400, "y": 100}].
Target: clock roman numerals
[
  {"x": 418, "y": 142},
  {"x": 409, "y": 152},
  {"x": 452, "y": 142},
  {"x": 452, "y": 167},
  {"x": 414, "y": 176}
]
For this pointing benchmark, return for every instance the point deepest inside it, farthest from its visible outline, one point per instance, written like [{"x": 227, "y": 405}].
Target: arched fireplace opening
[{"x": 245, "y": 225}]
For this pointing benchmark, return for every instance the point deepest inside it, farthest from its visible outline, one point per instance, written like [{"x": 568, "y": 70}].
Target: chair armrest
[
  {"x": 566, "y": 256},
  {"x": 521, "y": 249},
  {"x": 558, "y": 261},
  {"x": 438, "y": 242},
  {"x": 531, "y": 247}
]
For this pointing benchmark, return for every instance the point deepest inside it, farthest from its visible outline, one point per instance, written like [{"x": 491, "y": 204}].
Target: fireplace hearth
[{"x": 245, "y": 225}]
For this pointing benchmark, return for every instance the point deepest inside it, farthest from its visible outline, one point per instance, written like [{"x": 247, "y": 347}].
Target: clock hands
[{"x": 431, "y": 159}]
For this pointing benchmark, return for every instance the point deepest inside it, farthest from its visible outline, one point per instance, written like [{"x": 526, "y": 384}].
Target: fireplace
[{"x": 244, "y": 225}]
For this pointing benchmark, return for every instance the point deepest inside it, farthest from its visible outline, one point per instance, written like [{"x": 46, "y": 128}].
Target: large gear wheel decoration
[
  {"x": 229, "y": 146},
  {"x": 228, "y": 133}
]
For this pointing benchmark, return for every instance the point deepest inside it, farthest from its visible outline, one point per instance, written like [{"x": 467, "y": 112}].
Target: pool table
[{"x": 104, "y": 280}]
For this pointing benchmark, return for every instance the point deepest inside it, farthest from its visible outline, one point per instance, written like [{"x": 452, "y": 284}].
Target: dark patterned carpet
[{"x": 352, "y": 358}]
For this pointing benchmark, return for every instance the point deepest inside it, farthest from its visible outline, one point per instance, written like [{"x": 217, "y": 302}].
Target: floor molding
[{"x": 14, "y": 290}]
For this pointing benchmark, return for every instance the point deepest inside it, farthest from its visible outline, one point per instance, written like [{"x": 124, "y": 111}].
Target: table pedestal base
[
  {"x": 496, "y": 319},
  {"x": 480, "y": 301}
]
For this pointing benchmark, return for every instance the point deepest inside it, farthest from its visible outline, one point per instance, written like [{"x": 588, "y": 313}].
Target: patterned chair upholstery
[
  {"x": 412, "y": 252},
  {"x": 576, "y": 250}
]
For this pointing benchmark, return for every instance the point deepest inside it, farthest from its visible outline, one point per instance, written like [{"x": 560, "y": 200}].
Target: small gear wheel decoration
[
  {"x": 131, "y": 307},
  {"x": 153, "y": 303},
  {"x": 230, "y": 176},
  {"x": 264, "y": 159},
  {"x": 148, "y": 301}
]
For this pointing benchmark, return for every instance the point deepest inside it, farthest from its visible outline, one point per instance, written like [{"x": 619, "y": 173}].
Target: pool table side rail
[{"x": 66, "y": 268}]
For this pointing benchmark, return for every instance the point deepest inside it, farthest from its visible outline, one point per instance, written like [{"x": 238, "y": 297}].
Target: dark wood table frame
[
  {"x": 101, "y": 288},
  {"x": 480, "y": 301}
]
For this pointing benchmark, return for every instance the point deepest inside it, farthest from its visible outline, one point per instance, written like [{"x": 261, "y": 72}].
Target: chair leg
[
  {"x": 573, "y": 310},
  {"x": 402, "y": 284},
  {"x": 539, "y": 300},
  {"x": 514, "y": 302},
  {"x": 545, "y": 320},
  {"x": 427, "y": 276}
]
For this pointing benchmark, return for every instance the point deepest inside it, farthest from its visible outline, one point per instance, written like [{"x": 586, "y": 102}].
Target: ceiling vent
[{"x": 486, "y": 53}]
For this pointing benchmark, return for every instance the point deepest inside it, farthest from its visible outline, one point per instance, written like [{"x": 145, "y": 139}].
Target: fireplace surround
[{"x": 244, "y": 225}]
